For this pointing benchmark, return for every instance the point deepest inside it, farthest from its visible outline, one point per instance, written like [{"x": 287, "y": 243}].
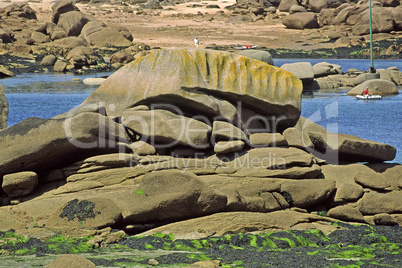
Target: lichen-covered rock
[{"x": 186, "y": 77}]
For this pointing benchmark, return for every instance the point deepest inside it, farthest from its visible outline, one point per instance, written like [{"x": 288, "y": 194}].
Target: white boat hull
[{"x": 368, "y": 97}]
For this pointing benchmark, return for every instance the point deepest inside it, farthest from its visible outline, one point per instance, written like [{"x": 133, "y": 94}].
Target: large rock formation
[
  {"x": 202, "y": 81},
  {"x": 183, "y": 138}
]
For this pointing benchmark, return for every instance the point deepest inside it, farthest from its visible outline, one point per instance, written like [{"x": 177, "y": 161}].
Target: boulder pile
[
  {"x": 324, "y": 75},
  {"x": 71, "y": 41},
  {"x": 197, "y": 142}
]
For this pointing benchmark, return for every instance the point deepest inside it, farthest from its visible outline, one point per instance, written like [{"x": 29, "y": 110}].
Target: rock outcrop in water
[
  {"x": 3, "y": 109},
  {"x": 183, "y": 138}
]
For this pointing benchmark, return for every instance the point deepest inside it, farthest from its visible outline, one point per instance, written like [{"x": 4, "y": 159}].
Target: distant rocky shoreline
[{"x": 194, "y": 149}]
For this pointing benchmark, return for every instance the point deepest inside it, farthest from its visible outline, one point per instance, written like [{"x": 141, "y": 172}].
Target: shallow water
[{"x": 48, "y": 95}]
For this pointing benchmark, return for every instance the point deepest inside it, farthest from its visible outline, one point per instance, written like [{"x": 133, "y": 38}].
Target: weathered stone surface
[
  {"x": 72, "y": 261},
  {"x": 93, "y": 81},
  {"x": 307, "y": 193},
  {"x": 285, "y": 5},
  {"x": 298, "y": 139},
  {"x": 183, "y": 78},
  {"x": 4, "y": 72},
  {"x": 307, "y": 125},
  {"x": 19, "y": 184},
  {"x": 384, "y": 219},
  {"x": 244, "y": 194},
  {"x": 97, "y": 33},
  {"x": 375, "y": 203},
  {"x": 91, "y": 213},
  {"x": 301, "y": 20},
  {"x": 5, "y": 36},
  {"x": 166, "y": 129},
  {"x": 49, "y": 60},
  {"x": 296, "y": 8},
  {"x": 70, "y": 42},
  {"x": 269, "y": 162},
  {"x": 40, "y": 37},
  {"x": 373, "y": 180},
  {"x": 376, "y": 87},
  {"x": 303, "y": 70},
  {"x": 85, "y": 133},
  {"x": 83, "y": 56},
  {"x": 382, "y": 21},
  {"x": 346, "y": 213},
  {"x": 224, "y": 147},
  {"x": 264, "y": 56},
  {"x": 142, "y": 148},
  {"x": 324, "y": 69},
  {"x": 224, "y": 131},
  {"x": 72, "y": 22},
  {"x": 318, "y": 5},
  {"x": 61, "y": 7},
  {"x": 342, "y": 147},
  {"x": 267, "y": 140},
  {"x": 205, "y": 264},
  {"x": 3, "y": 108},
  {"x": 121, "y": 57},
  {"x": 397, "y": 16},
  {"x": 236, "y": 222},
  {"x": 172, "y": 195},
  {"x": 347, "y": 192},
  {"x": 60, "y": 66}
]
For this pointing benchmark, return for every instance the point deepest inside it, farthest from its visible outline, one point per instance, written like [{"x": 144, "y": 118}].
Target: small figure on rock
[{"x": 196, "y": 42}]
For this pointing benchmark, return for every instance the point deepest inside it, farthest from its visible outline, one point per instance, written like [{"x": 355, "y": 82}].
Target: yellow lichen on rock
[{"x": 185, "y": 74}]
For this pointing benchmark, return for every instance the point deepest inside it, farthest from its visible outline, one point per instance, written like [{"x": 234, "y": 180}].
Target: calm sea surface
[{"x": 48, "y": 95}]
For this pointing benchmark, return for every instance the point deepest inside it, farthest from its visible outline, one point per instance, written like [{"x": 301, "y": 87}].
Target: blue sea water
[{"x": 48, "y": 95}]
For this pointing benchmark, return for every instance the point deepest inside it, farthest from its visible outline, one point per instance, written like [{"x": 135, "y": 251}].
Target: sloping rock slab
[
  {"x": 31, "y": 144},
  {"x": 182, "y": 76},
  {"x": 350, "y": 148},
  {"x": 236, "y": 222},
  {"x": 375, "y": 203},
  {"x": 172, "y": 195}
]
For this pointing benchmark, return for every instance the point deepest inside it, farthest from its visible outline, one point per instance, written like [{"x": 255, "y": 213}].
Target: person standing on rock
[{"x": 196, "y": 42}]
